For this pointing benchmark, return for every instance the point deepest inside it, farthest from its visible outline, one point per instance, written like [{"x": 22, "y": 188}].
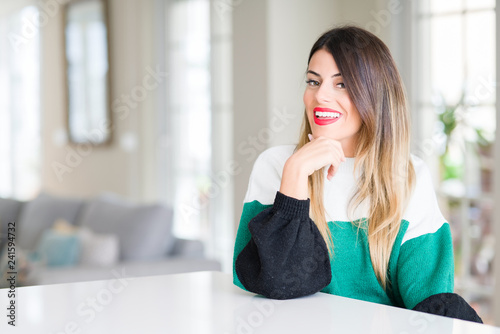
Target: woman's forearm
[{"x": 294, "y": 182}]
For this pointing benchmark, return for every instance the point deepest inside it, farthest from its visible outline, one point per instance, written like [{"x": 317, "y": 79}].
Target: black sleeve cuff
[
  {"x": 290, "y": 208},
  {"x": 286, "y": 256},
  {"x": 448, "y": 305}
]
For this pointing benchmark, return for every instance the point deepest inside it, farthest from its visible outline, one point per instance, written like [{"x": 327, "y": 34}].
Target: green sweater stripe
[
  {"x": 425, "y": 266},
  {"x": 393, "y": 286},
  {"x": 352, "y": 271}
]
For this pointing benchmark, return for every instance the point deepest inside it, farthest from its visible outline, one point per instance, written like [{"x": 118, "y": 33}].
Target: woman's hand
[{"x": 316, "y": 154}]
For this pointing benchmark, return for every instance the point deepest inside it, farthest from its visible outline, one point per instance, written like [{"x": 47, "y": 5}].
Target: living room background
[{"x": 229, "y": 77}]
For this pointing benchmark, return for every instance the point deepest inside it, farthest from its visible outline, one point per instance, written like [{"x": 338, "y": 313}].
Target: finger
[
  {"x": 331, "y": 172},
  {"x": 310, "y": 137},
  {"x": 342, "y": 156}
]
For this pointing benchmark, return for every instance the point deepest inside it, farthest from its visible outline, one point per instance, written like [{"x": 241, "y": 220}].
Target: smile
[{"x": 325, "y": 116}]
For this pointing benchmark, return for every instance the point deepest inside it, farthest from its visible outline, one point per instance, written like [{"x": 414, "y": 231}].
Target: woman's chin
[{"x": 317, "y": 134}]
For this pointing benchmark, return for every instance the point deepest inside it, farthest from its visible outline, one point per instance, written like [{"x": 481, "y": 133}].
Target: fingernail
[{"x": 310, "y": 136}]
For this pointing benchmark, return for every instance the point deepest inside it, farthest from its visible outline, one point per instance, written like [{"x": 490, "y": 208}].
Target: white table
[{"x": 205, "y": 302}]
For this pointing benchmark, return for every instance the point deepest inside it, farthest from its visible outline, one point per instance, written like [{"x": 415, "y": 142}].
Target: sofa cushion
[
  {"x": 95, "y": 249},
  {"x": 144, "y": 231},
  {"x": 41, "y": 213},
  {"x": 98, "y": 249},
  {"x": 9, "y": 212},
  {"x": 59, "y": 249}
]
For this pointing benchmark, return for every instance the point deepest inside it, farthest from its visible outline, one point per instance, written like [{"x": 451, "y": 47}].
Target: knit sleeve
[
  {"x": 286, "y": 256},
  {"x": 279, "y": 252}
]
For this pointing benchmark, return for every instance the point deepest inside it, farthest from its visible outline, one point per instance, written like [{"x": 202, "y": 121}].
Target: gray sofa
[{"x": 122, "y": 238}]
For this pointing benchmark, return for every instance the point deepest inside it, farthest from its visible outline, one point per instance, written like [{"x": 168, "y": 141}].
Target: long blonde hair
[{"x": 386, "y": 173}]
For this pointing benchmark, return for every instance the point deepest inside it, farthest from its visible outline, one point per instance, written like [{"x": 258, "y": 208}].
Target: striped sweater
[{"x": 280, "y": 253}]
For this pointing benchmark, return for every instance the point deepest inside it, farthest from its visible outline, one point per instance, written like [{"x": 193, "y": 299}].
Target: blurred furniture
[{"x": 70, "y": 239}]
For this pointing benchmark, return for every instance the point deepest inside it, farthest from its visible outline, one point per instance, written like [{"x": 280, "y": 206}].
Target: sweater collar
[{"x": 346, "y": 167}]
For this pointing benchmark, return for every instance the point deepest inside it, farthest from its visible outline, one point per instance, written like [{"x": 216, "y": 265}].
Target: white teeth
[{"x": 327, "y": 114}]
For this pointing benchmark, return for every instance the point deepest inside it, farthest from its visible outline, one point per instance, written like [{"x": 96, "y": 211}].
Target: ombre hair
[{"x": 382, "y": 156}]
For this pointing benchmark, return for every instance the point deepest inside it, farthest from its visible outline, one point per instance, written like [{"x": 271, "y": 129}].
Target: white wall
[
  {"x": 250, "y": 90},
  {"x": 293, "y": 27}
]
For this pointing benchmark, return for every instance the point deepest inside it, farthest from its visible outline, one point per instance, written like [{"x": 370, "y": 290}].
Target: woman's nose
[{"x": 323, "y": 94}]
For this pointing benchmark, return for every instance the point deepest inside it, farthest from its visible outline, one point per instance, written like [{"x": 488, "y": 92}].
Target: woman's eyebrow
[{"x": 316, "y": 74}]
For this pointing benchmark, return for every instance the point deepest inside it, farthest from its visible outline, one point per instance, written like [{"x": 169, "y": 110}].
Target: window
[
  {"x": 456, "y": 108},
  {"x": 19, "y": 105},
  {"x": 195, "y": 131},
  {"x": 188, "y": 123}
]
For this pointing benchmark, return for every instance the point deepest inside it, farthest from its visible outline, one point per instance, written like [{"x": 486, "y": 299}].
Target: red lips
[{"x": 325, "y": 121}]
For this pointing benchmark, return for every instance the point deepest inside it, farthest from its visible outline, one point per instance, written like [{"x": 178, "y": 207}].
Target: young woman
[{"x": 348, "y": 211}]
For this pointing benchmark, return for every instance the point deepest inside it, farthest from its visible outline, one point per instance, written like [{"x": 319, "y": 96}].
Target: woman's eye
[
  {"x": 312, "y": 82},
  {"x": 340, "y": 85}
]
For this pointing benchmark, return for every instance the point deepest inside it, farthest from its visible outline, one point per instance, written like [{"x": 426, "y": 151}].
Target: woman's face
[{"x": 329, "y": 108}]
